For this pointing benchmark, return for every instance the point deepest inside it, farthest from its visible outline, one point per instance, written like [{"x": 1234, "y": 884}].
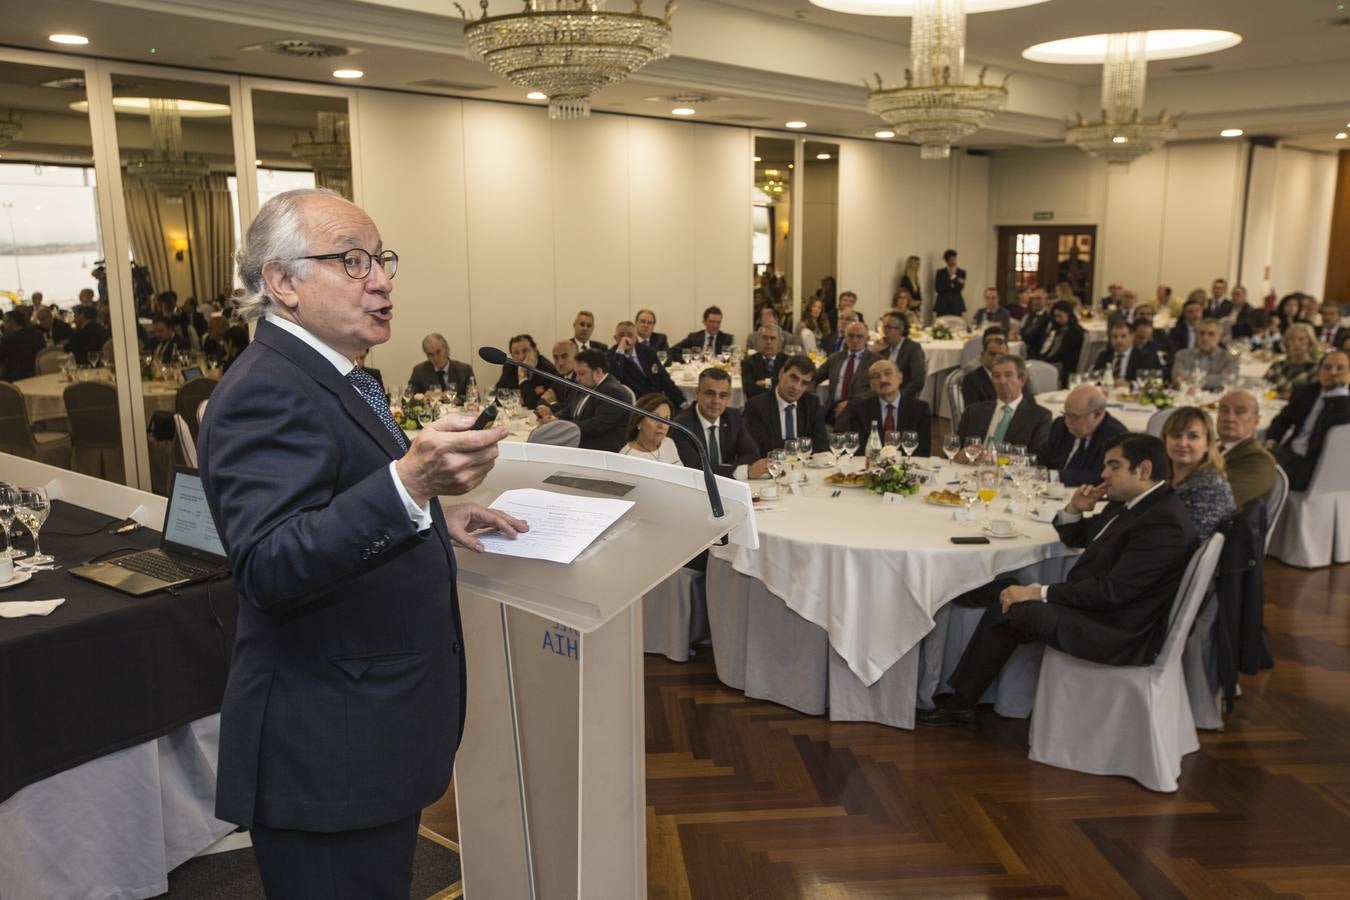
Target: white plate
[
  {"x": 1000, "y": 537},
  {"x": 20, "y": 576}
]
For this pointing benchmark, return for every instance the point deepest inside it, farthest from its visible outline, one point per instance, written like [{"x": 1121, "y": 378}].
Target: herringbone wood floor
[{"x": 747, "y": 799}]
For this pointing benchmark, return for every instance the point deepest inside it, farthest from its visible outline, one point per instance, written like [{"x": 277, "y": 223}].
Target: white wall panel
[
  {"x": 872, "y": 187},
  {"x": 1066, "y": 182},
  {"x": 722, "y": 270},
  {"x": 1129, "y": 240},
  {"x": 1304, "y": 194},
  {"x": 661, "y": 202},
  {"x": 974, "y": 234},
  {"x": 1202, "y": 209},
  {"x": 1259, "y": 230}
]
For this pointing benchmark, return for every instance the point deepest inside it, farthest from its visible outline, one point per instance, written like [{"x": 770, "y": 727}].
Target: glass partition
[
  {"x": 772, "y": 256},
  {"x": 303, "y": 140},
  {"x": 820, "y": 231}
]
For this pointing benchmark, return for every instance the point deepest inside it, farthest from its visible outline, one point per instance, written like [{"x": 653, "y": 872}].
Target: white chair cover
[
  {"x": 972, "y": 350},
  {"x": 187, "y": 447},
  {"x": 50, "y": 360},
  {"x": 956, "y": 401},
  {"x": 201, "y": 411},
  {"x": 1043, "y": 376},
  {"x": 675, "y": 615},
  {"x": 1314, "y": 530},
  {"x": 1275, "y": 503},
  {"x": 1156, "y": 421},
  {"x": 558, "y": 433},
  {"x": 1124, "y": 720}
]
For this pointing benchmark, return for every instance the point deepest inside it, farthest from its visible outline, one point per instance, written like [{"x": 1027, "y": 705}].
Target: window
[
  {"x": 1026, "y": 261},
  {"x": 49, "y": 237}
]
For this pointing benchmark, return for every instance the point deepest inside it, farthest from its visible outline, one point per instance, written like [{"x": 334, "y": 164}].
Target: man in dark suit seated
[
  {"x": 345, "y": 700},
  {"x": 977, "y": 385},
  {"x": 1330, "y": 333},
  {"x": 1218, "y": 306},
  {"x": 648, "y": 335},
  {"x": 1182, "y": 335},
  {"x": 734, "y": 454},
  {"x": 711, "y": 339},
  {"x": 1249, "y": 467},
  {"x": 1127, "y": 310},
  {"x": 1114, "y": 606},
  {"x": 1014, "y": 416},
  {"x": 1298, "y": 432},
  {"x": 1078, "y": 439},
  {"x": 602, "y": 424},
  {"x": 1121, "y": 359},
  {"x": 19, "y": 346},
  {"x": 165, "y": 344},
  {"x": 439, "y": 372},
  {"x": 1036, "y": 323},
  {"x": 790, "y": 410},
  {"x": 533, "y": 388},
  {"x": 582, "y": 326},
  {"x": 886, "y": 408},
  {"x": 760, "y": 369},
  {"x": 635, "y": 364},
  {"x": 1144, "y": 340},
  {"x": 88, "y": 337},
  {"x": 846, "y": 371},
  {"x": 833, "y": 341},
  {"x": 564, "y": 363},
  {"x": 907, "y": 355}
]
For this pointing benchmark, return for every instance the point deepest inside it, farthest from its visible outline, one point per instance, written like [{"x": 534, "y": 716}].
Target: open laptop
[{"x": 189, "y": 549}]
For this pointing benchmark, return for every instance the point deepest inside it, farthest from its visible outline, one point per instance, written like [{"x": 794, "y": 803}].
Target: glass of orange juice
[{"x": 988, "y": 489}]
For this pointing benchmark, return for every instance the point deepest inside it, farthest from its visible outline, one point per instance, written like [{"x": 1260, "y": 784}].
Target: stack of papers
[{"x": 561, "y": 525}]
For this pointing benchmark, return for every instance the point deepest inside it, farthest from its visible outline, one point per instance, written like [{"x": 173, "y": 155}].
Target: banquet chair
[
  {"x": 1314, "y": 529},
  {"x": 17, "y": 435},
  {"x": 1275, "y": 503},
  {"x": 190, "y": 396},
  {"x": 951, "y": 323},
  {"x": 558, "y": 433},
  {"x": 1156, "y": 422},
  {"x": 50, "y": 360},
  {"x": 201, "y": 412},
  {"x": 956, "y": 401},
  {"x": 675, "y": 615},
  {"x": 1125, "y": 720},
  {"x": 95, "y": 430},
  {"x": 1042, "y": 375},
  {"x": 628, "y": 392},
  {"x": 971, "y": 350},
  {"x": 187, "y": 444}
]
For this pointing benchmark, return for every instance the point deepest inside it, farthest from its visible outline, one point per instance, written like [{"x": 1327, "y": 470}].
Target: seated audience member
[
  {"x": 1307, "y": 309},
  {"x": 1019, "y": 307},
  {"x": 1241, "y": 309},
  {"x": 19, "y": 346},
  {"x": 992, "y": 313},
  {"x": 440, "y": 372},
  {"x": 647, "y": 334},
  {"x": 1217, "y": 305},
  {"x": 582, "y": 326},
  {"x": 1078, "y": 439},
  {"x": 1114, "y": 607},
  {"x": 1121, "y": 359},
  {"x": 1014, "y": 416},
  {"x": 834, "y": 341},
  {"x": 1182, "y": 336},
  {"x": 977, "y": 384},
  {"x": 1115, "y": 294},
  {"x": 234, "y": 343},
  {"x": 1165, "y": 300},
  {"x": 55, "y": 329},
  {"x": 768, "y": 318},
  {"x": 1063, "y": 345},
  {"x": 1299, "y": 430},
  {"x": 846, "y": 370},
  {"x": 760, "y": 369},
  {"x": 532, "y": 388},
  {"x": 1265, "y": 334},
  {"x": 1197, "y": 468},
  {"x": 907, "y": 356},
  {"x": 564, "y": 358},
  {"x": 602, "y": 424},
  {"x": 790, "y": 410},
  {"x": 815, "y": 325},
  {"x": 1330, "y": 330},
  {"x": 1142, "y": 333},
  {"x": 165, "y": 344},
  {"x": 733, "y": 453},
  {"x": 885, "y": 407},
  {"x": 711, "y": 340},
  {"x": 1207, "y": 361},
  {"x": 636, "y": 366},
  {"x": 1288, "y": 310},
  {"x": 212, "y": 341},
  {"x": 1249, "y": 466},
  {"x": 848, "y": 302},
  {"x": 1128, "y": 310},
  {"x": 1036, "y": 323},
  {"x": 1299, "y": 363},
  {"x": 649, "y": 438},
  {"x": 88, "y": 336},
  {"x": 904, "y": 303}
]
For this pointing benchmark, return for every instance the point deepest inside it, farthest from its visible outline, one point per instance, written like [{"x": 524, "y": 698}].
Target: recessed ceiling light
[
  {"x": 794, "y": 124},
  {"x": 347, "y": 73},
  {"x": 536, "y": 95},
  {"x": 1120, "y": 139},
  {"x": 755, "y": 159},
  {"x": 140, "y": 106},
  {"x": 792, "y": 165},
  {"x": 1172, "y": 43},
  {"x": 822, "y": 156},
  {"x": 682, "y": 111},
  {"x": 1340, "y": 135},
  {"x": 906, "y": 7},
  {"x": 885, "y": 134},
  {"x": 77, "y": 40},
  {"x": 1231, "y": 132}
]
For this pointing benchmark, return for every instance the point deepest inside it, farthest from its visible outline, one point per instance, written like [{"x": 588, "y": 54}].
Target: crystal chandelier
[
  {"x": 328, "y": 151},
  {"x": 567, "y": 49},
  {"x": 1122, "y": 135},
  {"x": 10, "y": 130},
  {"x": 167, "y": 169},
  {"x": 936, "y": 106}
]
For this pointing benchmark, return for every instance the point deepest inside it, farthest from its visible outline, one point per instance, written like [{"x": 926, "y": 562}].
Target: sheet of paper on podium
[{"x": 561, "y": 525}]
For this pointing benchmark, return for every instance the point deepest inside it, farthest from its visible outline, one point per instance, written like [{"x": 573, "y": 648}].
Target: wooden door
[{"x": 1041, "y": 256}]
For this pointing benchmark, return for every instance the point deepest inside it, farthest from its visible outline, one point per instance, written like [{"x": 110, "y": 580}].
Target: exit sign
[{"x": 1043, "y": 216}]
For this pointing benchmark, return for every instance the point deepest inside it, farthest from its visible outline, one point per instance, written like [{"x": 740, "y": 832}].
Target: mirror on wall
[
  {"x": 820, "y": 232},
  {"x": 61, "y": 403},
  {"x": 303, "y": 140},
  {"x": 771, "y": 249}
]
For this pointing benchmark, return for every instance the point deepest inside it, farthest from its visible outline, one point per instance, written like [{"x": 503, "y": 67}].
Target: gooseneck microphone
[{"x": 499, "y": 358}]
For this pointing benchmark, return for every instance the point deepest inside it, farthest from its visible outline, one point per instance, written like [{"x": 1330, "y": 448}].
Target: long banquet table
[{"x": 1135, "y": 416}]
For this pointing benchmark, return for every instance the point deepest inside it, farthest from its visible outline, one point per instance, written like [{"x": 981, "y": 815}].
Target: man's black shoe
[{"x": 942, "y": 716}]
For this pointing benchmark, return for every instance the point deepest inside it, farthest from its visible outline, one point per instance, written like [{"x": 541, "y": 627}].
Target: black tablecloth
[{"x": 104, "y": 670}]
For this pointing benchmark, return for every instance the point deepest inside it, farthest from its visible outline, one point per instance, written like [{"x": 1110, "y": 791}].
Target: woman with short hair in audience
[
  {"x": 649, "y": 438},
  {"x": 1064, "y": 342},
  {"x": 903, "y": 302},
  {"x": 1198, "y": 474},
  {"x": 815, "y": 324},
  {"x": 1300, "y": 360}
]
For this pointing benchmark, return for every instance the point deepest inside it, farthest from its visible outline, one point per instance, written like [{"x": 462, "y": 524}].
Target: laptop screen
[{"x": 187, "y": 522}]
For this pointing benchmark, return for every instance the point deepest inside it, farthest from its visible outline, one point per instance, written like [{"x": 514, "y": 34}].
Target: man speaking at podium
[{"x": 345, "y": 699}]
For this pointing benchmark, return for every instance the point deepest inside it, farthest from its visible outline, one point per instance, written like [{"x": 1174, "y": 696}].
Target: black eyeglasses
[{"x": 357, "y": 262}]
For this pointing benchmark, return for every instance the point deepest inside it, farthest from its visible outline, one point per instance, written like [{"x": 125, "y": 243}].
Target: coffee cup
[
  {"x": 6, "y": 568},
  {"x": 1056, "y": 491},
  {"x": 1001, "y": 527}
]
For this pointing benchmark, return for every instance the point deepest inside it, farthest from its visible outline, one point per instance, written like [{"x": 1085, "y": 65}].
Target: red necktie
[
  {"x": 848, "y": 378},
  {"x": 889, "y": 424}
]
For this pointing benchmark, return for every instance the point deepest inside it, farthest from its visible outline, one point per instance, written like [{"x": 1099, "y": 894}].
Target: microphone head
[{"x": 492, "y": 355}]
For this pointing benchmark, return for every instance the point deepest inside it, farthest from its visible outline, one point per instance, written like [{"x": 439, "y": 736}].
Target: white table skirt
[{"x": 115, "y": 826}]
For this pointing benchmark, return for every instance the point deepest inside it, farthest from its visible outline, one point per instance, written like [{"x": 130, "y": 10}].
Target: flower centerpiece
[
  {"x": 1154, "y": 393},
  {"x": 940, "y": 332},
  {"x": 412, "y": 414},
  {"x": 891, "y": 474}
]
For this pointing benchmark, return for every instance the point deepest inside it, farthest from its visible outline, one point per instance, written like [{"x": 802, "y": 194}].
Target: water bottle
[{"x": 874, "y": 445}]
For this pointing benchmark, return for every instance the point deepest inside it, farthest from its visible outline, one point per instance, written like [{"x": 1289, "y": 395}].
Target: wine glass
[
  {"x": 974, "y": 448},
  {"x": 837, "y": 447},
  {"x": 7, "y": 501},
  {"x": 804, "y": 449},
  {"x": 970, "y": 492},
  {"x": 31, "y": 509},
  {"x": 851, "y": 442},
  {"x": 662, "y": 356},
  {"x": 791, "y": 457},
  {"x": 891, "y": 439},
  {"x": 687, "y": 355},
  {"x": 988, "y": 478},
  {"x": 777, "y": 460},
  {"x": 909, "y": 442},
  {"x": 951, "y": 446}
]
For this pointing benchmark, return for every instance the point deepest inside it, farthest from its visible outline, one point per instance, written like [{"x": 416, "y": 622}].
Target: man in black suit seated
[
  {"x": 833, "y": 341},
  {"x": 602, "y": 424},
  {"x": 1146, "y": 341},
  {"x": 710, "y": 339},
  {"x": 1078, "y": 439},
  {"x": 1121, "y": 359},
  {"x": 1331, "y": 332},
  {"x": 54, "y": 330},
  {"x": 1036, "y": 323},
  {"x": 1182, "y": 335},
  {"x": 165, "y": 344},
  {"x": 886, "y": 407},
  {"x": 1218, "y": 306},
  {"x": 1113, "y": 608},
  {"x": 846, "y": 370},
  {"x": 908, "y": 356},
  {"x": 734, "y": 454},
  {"x": 533, "y": 389},
  {"x": 1127, "y": 310},
  {"x": 1297, "y": 434},
  {"x": 1115, "y": 293},
  {"x": 439, "y": 372},
  {"x": 19, "y": 346},
  {"x": 635, "y": 364},
  {"x": 582, "y": 326},
  {"x": 760, "y": 369},
  {"x": 564, "y": 363},
  {"x": 88, "y": 337},
  {"x": 648, "y": 335},
  {"x": 790, "y": 410},
  {"x": 977, "y": 385},
  {"x": 1014, "y": 416}
]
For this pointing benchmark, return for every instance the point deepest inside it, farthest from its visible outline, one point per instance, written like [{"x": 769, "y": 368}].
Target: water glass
[
  {"x": 974, "y": 449},
  {"x": 891, "y": 439},
  {"x": 8, "y": 498},
  {"x": 951, "y": 446},
  {"x": 837, "y": 447},
  {"x": 851, "y": 442},
  {"x": 31, "y": 509},
  {"x": 662, "y": 356},
  {"x": 909, "y": 442},
  {"x": 777, "y": 463}
]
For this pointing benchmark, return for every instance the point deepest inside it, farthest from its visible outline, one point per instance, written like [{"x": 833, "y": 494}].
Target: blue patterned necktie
[{"x": 369, "y": 389}]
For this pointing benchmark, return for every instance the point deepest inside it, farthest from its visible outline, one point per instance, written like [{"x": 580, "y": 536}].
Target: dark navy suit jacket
[{"x": 345, "y": 699}]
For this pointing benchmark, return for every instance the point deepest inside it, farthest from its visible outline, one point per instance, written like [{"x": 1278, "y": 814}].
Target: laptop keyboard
[{"x": 157, "y": 564}]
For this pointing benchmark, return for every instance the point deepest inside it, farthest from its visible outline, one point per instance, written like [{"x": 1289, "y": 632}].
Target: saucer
[
  {"x": 20, "y": 576},
  {"x": 1000, "y": 537}
]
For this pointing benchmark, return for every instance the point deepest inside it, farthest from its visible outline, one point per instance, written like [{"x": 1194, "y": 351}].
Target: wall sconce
[{"x": 180, "y": 246}]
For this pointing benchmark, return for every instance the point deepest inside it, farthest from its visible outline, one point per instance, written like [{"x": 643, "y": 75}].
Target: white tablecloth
[
  {"x": 45, "y": 396},
  {"x": 872, "y": 574},
  {"x": 686, "y": 379},
  {"x": 1135, "y": 417}
]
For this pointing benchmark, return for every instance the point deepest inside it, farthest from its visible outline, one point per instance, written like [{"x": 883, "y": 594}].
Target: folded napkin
[{"x": 14, "y": 609}]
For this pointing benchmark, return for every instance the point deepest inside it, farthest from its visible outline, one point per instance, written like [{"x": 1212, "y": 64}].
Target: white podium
[{"x": 550, "y": 778}]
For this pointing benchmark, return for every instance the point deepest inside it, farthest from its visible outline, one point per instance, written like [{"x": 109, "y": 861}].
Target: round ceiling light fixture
[
  {"x": 794, "y": 124},
  {"x": 1231, "y": 132},
  {"x": 348, "y": 73},
  {"x": 536, "y": 95},
  {"x": 1341, "y": 135},
  {"x": 906, "y": 7},
  {"x": 74, "y": 40},
  {"x": 822, "y": 156},
  {"x": 1172, "y": 43},
  {"x": 885, "y": 134},
  {"x": 682, "y": 111}
]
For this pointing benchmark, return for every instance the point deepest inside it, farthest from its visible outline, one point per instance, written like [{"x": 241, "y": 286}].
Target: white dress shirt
[
  {"x": 742, "y": 473},
  {"x": 420, "y": 515}
]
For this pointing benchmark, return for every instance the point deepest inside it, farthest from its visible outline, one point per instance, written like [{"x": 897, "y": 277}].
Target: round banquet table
[
  {"x": 686, "y": 379},
  {"x": 1135, "y": 416},
  {"x": 841, "y": 608},
  {"x": 45, "y": 396}
]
